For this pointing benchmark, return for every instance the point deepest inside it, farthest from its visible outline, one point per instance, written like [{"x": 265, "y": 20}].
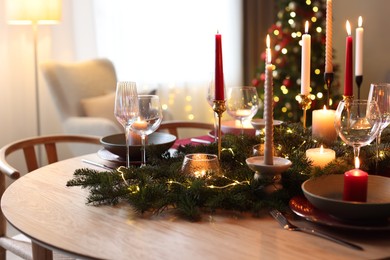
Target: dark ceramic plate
[
  {"x": 116, "y": 144},
  {"x": 326, "y": 194}
]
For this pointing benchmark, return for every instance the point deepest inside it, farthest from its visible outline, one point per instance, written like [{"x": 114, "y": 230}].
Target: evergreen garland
[{"x": 161, "y": 185}]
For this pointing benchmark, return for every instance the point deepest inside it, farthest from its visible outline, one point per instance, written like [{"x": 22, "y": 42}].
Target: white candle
[
  {"x": 359, "y": 49},
  {"x": 323, "y": 125},
  {"x": 320, "y": 156},
  {"x": 305, "y": 63},
  {"x": 268, "y": 108},
  {"x": 328, "y": 41}
]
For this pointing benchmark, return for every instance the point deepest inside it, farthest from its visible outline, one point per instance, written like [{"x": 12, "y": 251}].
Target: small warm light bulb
[
  {"x": 348, "y": 26},
  {"x": 360, "y": 21}
]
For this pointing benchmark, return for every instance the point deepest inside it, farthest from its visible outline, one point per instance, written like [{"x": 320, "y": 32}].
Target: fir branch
[{"x": 161, "y": 184}]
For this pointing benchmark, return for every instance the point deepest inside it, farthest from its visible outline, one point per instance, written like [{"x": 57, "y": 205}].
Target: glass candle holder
[{"x": 200, "y": 164}]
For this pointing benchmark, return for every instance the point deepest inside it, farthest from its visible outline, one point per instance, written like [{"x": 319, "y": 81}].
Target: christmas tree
[{"x": 286, "y": 35}]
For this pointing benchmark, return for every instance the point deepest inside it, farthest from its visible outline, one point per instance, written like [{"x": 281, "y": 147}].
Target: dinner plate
[
  {"x": 326, "y": 194},
  {"x": 303, "y": 208},
  {"x": 259, "y": 123},
  {"x": 116, "y": 144}
]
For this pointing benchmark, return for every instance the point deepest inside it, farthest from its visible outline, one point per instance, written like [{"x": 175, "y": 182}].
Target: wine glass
[
  {"x": 357, "y": 122},
  {"x": 242, "y": 103},
  {"x": 210, "y": 100},
  {"x": 126, "y": 110},
  {"x": 381, "y": 94},
  {"x": 149, "y": 119}
]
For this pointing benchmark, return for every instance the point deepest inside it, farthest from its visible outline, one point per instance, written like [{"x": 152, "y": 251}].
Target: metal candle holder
[
  {"x": 328, "y": 77},
  {"x": 219, "y": 107},
  {"x": 359, "y": 80},
  {"x": 304, "y": 102}
]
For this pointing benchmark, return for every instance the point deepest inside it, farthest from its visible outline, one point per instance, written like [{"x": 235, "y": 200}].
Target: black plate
[{"x": 116, "y": 144}]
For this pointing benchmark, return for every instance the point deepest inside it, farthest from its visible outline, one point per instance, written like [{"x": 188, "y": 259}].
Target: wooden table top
[{"x": 41, "y": 206}]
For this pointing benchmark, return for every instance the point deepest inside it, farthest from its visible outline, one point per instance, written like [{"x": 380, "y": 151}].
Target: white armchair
[{"x": 84, "y": 93}]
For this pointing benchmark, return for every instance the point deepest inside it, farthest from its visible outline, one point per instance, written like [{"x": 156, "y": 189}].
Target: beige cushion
[{"x": 100, "y": 106}]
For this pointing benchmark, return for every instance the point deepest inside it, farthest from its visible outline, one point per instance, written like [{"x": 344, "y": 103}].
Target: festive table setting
[
  {"x": 331, "y": 176},
  {"x": 287, "y": 156}
]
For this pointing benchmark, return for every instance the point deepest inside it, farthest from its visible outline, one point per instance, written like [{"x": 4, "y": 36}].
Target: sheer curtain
[{"x": 170, "y": 45}]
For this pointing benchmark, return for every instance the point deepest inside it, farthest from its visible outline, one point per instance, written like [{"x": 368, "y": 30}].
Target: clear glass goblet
[
  {"x": 210, "y": 100},
  {"x": 242, "y": 103},
  {"x": 381, "y": 94},
  {"x": 357, "y": 122},
  {"x": 148, "y": 120},
  {"x": 126, "y": 110}
]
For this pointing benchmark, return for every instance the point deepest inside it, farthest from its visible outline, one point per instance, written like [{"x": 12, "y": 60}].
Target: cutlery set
[{"x": 285, "y": 224}]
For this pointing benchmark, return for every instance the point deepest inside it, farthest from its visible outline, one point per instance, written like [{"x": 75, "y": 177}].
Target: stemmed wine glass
[
  {"x": 149, "y": 119},
  {"x": 210, "y": 100},
  {"x": 126, "y": 110},
  {"x": 381, "y": 94},
  {"x": 357, "y": 122},
  {"x": 242, "y": 103}
]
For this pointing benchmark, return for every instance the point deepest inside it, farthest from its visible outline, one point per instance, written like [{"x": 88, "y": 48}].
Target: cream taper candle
[
  {"x": 359, "y": 49},
  {"x": 268, "y": 108},
  {"x": 328, "y": 40}
]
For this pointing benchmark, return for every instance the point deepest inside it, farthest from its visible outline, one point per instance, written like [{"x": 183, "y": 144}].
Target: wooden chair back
[
  {"x": 30, "y": 148},
  {"x": 172, "y": 127}
]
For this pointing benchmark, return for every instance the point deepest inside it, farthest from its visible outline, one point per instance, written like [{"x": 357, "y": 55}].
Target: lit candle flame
[
  {"x": 348, "y": 26},
  {"x": 357, "y": 163},
  {"x": 360, "y": 21},
  {"x": 268, "y": 53},
  {"x": 322, "y": 149},
  {"x": 324, "y": 107},
  {"x": 307, "y": 27}
]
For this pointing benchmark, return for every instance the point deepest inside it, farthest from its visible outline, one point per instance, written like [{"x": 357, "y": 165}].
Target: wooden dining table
[{"x": 56, "y": 217}]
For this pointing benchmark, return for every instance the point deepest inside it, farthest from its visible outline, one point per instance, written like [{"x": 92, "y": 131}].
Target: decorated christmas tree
[{"x": 286, "y": 35}]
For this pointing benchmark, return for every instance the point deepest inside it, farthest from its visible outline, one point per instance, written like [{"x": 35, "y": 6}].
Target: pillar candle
[
  {"x": 348, "y": 86},
  {"x": 219, "y": 81},
  {"x": 323, "y": 125},
  {"x": 355, "y": 185},
  {"x": 320, "y": 156},
  {"x": 305, "y": 62},
  {"x": 359, "y": 49},
  {"x": 268, "y": 108},
  {"x": 328, "y": 41}
]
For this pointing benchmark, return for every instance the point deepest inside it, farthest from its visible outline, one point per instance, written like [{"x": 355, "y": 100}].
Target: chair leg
[
  {"x": 41, "y": 253},
  {"x": 3, "y": 254}
]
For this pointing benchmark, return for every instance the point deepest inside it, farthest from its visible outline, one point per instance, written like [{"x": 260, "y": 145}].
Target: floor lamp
[{"x": 34, "y": 12}]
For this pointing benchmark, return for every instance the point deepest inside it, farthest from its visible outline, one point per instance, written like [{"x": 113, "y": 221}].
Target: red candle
[
  {"x": 355, "y": 185},
  {"x": 348, "y": 85},
  {"x": 219, "y": 82}
]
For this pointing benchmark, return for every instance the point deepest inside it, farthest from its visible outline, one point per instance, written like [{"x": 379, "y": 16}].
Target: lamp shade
[{"x": 34, "y": 11}]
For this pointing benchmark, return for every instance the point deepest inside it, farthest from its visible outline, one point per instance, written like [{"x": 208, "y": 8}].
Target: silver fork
[{"x": 289, "y": 226}]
